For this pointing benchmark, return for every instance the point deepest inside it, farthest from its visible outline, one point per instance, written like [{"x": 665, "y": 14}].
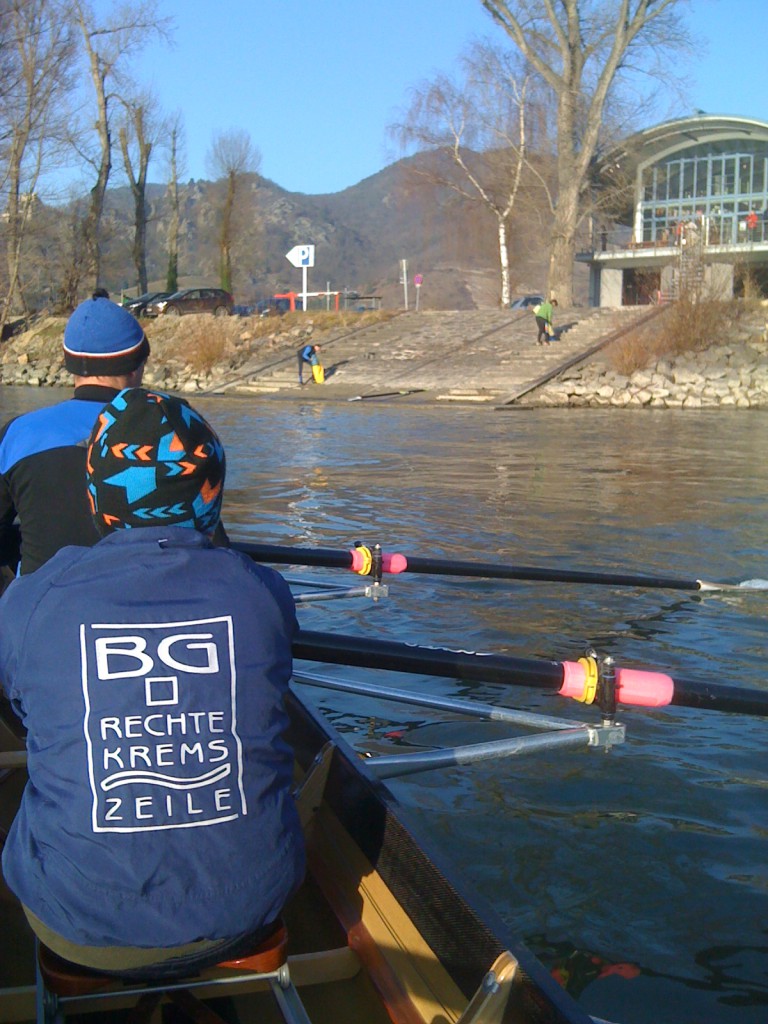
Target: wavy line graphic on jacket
[{"x": 169, "y": 781}]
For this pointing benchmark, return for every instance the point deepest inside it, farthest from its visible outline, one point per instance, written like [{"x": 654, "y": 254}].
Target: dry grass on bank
[
  {"x": 205, "y": 342},
  {"x": 202, "y": 342},
  {"x": 686, "y": 326}
]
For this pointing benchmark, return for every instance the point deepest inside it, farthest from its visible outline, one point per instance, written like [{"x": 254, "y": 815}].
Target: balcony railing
[{"x": 707, "y": 233}]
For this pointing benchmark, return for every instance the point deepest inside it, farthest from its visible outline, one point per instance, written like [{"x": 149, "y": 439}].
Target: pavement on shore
[{"x": 481, "y": 356}]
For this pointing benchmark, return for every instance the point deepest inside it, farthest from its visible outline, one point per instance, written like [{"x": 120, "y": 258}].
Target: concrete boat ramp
[{"x": 483, "y": 356}]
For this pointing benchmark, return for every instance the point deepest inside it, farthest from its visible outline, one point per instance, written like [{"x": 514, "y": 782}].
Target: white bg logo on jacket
[{"x": 160, "y": 724}]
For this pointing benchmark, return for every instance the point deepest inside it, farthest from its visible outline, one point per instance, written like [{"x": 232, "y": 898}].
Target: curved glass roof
[{"x": 652, "y": 144}]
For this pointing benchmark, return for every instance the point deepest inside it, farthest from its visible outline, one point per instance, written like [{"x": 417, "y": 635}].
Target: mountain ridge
[{"x": 361, "y": 234}]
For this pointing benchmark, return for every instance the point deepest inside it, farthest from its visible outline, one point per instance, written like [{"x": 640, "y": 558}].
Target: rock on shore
[
  {"x": 189, "y": 354},
  {"x": 733, "y": 375}
]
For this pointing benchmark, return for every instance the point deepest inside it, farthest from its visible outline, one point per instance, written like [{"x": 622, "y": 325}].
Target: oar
[
  {"x": 397, "y": 563},
  {"x": 570, "y": 679},
  {"x": 386, "y": 394}
]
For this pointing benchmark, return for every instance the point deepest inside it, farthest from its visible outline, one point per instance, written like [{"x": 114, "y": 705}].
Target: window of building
[
  {"x": 758, "y": 178},
  {"x": 716, "y": 187},
  {"x": 729, "y": 176},
  {"x": 648, "y": 183},
  {"x": 674, "y": 180},
  {"x": 745, "y": 175},
  {"x": 689, "y": 173},
  {"x": 702, "y": 176},
  {"x": 661, "y": 181},
  {"x": 701, "y": 184}
]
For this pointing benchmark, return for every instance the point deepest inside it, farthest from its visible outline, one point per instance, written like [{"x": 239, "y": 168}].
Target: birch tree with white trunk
[{"x": 479, "y": 120}]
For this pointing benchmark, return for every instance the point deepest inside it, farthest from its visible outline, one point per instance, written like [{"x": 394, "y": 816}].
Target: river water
[{"x": 640, "y": 875}]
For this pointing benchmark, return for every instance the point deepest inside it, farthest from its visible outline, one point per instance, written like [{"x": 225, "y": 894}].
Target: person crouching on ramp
[
  {"x": 307, "y": 355},
  {"x": 543, "y": 314}
]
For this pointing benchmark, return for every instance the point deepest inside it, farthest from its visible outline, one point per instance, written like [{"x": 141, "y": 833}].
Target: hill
[{"x": 360, "y": 236}]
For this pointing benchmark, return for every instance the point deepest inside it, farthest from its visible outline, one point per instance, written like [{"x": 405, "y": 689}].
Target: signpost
[
  {"x": 302, "y": 256},
  {"x": 404, "y": 281},
  {"x": 418, "y": 280}
]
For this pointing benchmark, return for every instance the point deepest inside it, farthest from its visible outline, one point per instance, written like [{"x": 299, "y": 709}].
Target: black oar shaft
[
  {"x": 339, "y": 559},
  {"x": 325, "y": 557},
  {"x": 493, "y": 570},
  {"x": 362, "y": 652},
  {"x": 720, "y": 697}
]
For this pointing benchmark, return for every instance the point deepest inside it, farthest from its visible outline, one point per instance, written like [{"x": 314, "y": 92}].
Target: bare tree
[
  {"x": 138, "y": 134},
  {"x": 9, "y": 81},
  {"x": 479, "y": 119},
  {"x": 42, "y": 54},
  {"x": 231, "y": 158},
  {"x": 175, "y": 131},
  {"x": 108, "y": 44},
  {"x": 583, "y": 49}
]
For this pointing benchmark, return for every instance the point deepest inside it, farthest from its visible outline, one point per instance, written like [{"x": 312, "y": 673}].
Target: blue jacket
[
  {"x": 150, "y": 672},
  {"x": 308, "y": 354},
  {"x": 42, "y": 468}
]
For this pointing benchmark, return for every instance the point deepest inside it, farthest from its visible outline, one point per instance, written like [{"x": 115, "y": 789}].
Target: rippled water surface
[{"x": 641, "y": 876}]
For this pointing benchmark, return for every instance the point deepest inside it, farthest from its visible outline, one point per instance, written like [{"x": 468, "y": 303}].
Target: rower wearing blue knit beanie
[{"x": 42, "y": 453}]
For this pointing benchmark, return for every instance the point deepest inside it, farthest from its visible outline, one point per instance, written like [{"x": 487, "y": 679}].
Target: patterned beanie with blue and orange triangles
[{"x": 154, "y": 461}]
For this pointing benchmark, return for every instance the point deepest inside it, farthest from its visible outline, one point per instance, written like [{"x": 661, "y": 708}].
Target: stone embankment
[
  {"x": 734, "y": 375},
  {"x": 188, "y": 355},
  {"x": 487, "y": 356}
]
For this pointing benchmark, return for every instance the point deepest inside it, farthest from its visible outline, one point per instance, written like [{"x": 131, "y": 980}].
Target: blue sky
[{"x": 317, "y": 83}]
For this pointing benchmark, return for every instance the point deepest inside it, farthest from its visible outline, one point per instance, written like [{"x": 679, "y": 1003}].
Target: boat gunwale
[{"x": 464, "y": 932}]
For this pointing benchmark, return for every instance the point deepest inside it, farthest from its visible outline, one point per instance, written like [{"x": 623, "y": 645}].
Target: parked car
[
  {"x": 193, "y": 300},
  {"x": 138, "y": 305},
  {"x": 274, "y": 307},
  {"x": 525, "y": 301}
]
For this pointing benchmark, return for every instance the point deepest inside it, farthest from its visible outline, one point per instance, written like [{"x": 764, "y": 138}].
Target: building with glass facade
[{"x": 700, "y": 213}]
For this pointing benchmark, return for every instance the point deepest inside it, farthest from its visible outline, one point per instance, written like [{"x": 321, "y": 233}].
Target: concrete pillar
[
  {"x": 595, "y": 272},
  {"x": 611, "y": 282},
  {"x": 718, "y": 281}
]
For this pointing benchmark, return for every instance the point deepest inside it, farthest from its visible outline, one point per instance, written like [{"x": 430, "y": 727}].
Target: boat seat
[{"x": 60, "y": 982}]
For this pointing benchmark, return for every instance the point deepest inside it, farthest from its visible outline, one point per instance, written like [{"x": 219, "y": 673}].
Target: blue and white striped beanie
[{"x": 102, "y": 339}]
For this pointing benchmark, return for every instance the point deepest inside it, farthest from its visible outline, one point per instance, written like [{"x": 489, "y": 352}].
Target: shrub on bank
[
  {"x": 202, "y": 343},
  {"x": 685, "y": 326}
]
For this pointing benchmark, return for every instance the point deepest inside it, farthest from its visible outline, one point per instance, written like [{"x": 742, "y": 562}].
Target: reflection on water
[{"x": 654, "y": 856}]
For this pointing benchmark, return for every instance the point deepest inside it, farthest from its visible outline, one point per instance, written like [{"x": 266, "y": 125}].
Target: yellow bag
[{"x": 318, "y": 373}]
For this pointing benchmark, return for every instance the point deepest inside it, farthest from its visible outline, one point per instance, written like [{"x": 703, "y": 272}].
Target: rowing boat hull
[{"x": 424, "y": 938}]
